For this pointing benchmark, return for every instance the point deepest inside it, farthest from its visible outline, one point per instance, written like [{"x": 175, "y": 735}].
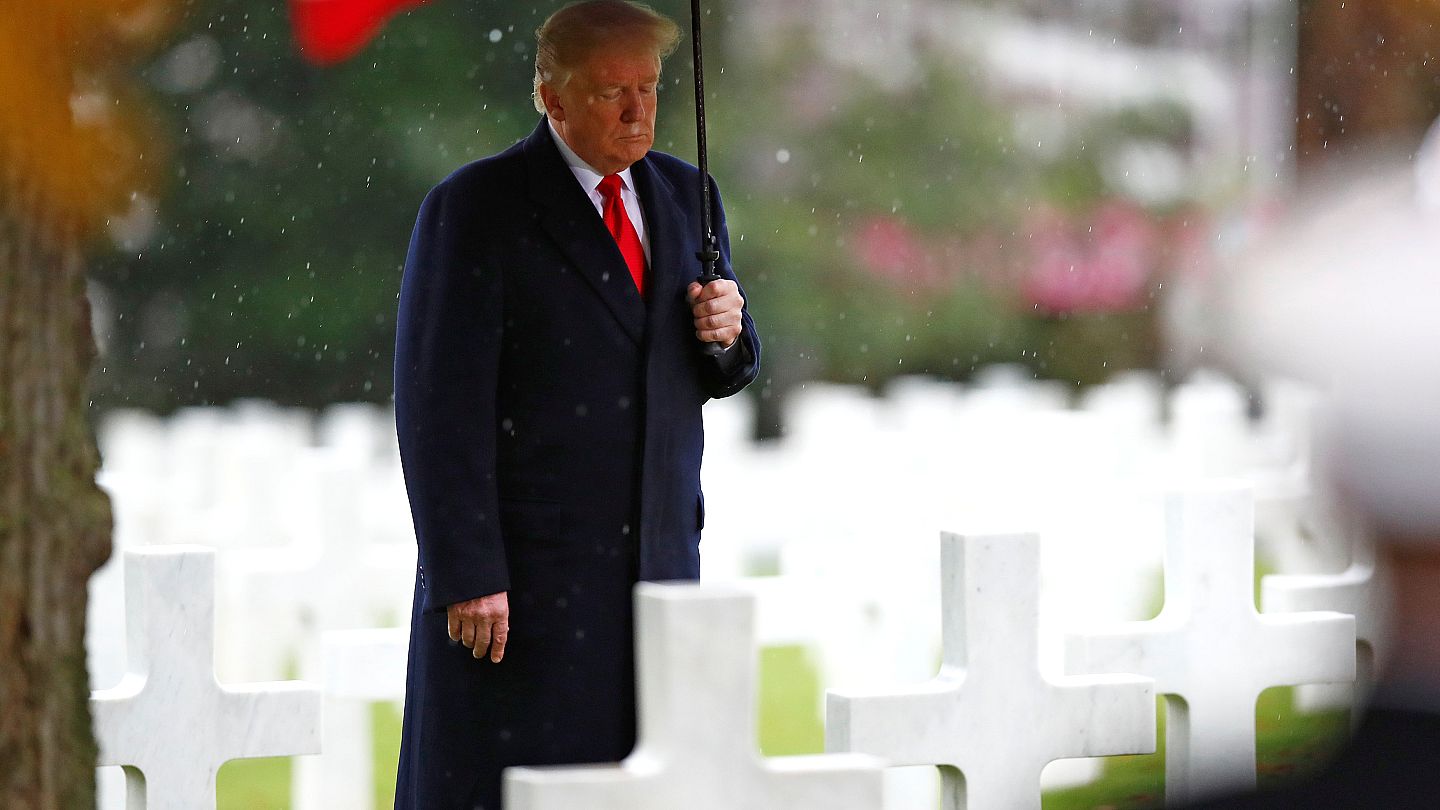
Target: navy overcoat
[{"x": 550, "y": 431}]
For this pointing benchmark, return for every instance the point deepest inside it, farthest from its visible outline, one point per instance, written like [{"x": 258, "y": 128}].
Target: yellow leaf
[{"x": 76, "y": 137}]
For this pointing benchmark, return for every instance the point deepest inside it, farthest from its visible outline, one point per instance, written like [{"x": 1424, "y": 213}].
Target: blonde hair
[{"x": 571, "y": 34}]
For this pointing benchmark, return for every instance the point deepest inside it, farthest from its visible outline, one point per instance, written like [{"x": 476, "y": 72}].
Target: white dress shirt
[{"x": 589, "y": 180}]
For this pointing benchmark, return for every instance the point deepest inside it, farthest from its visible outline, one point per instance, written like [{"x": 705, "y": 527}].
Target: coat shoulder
[
  {"x": 683, "y": 176},
  {"x": 488, "y": 178},
  {"x": 673, "y": 168}
]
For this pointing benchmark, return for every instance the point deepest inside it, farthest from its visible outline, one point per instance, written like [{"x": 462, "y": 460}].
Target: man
[{"x": 549, "y": 376}]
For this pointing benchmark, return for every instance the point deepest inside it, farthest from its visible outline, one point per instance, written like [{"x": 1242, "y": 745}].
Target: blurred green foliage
[
  {"x": 873, "y": 218},
  {"x": 931, "y": 155},
  {"x": 275, "y": 264}
]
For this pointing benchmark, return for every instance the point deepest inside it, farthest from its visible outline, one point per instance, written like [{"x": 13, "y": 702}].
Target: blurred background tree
[
  {"x": 75, "y": 144},
  {"x": 271, "y": 267},
  {"x": 1367, "y": 71},
  {"x": 885, "y": 221},
  {"x": 881, "y": 228}
]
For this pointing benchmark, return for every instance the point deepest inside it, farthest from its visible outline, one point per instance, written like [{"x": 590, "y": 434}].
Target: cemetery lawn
[
  {"x": 264, "y": 784},
  {"x": 1290, "y": 744}
]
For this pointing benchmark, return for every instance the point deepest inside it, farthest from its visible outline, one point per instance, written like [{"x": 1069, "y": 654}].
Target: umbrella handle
[{"x": 708, "y": 258}]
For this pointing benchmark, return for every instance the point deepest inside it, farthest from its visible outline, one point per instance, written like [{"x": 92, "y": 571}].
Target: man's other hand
[
  {"x": 716, "y": 308},
  {"x": 481, "y": 624}
]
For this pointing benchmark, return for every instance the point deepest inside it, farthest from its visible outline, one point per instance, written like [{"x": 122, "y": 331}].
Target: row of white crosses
[
  {"x": 286, "y": 515},
  {"x": 312, "y": 537},
  {"x": 992, "y": 718},
  {"x": 172, "y": 725},
  {"x": 791, "y": 609},
  {"x": 993, "y": 455}
]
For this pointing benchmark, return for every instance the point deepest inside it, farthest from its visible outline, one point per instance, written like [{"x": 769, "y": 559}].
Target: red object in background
[{"x": 331, "y": 31}]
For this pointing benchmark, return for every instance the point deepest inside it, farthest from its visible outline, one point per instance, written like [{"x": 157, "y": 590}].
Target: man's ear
[{"x": 551, "y": 100}]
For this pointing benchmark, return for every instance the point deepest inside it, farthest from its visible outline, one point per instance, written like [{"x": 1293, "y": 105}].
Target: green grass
[
  {"x": 264, "y": 784},
  {"x": 789, "y": 706},
  {"x": 1288, "y": 744},
  {"x": 253, "y": 784}
]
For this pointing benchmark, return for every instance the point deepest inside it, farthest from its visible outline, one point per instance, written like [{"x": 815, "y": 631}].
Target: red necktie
[{"x": 623, "y": 231}]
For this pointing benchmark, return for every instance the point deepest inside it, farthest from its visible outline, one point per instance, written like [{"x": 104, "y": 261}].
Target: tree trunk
[
  {"x": 1366, "y": 70},
  {"x": 54, "y": 520}
]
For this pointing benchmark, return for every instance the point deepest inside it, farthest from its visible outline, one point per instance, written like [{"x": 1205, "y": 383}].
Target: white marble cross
[
  {"x": 360, "y": 667},
  {"x": 1210, "y": 652},
  {"x": 169, "y": 722},
  {"x": 695, "y": 660},
  {"x": 278, "y": 601},
  {"x": 1361, "y": 590},
  {"x": 991, "y": 718}
]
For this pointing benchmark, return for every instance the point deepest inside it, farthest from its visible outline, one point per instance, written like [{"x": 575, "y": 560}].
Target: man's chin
[
  {"x": 628, "y": 152},
  {"x": 632, "y": 155}
]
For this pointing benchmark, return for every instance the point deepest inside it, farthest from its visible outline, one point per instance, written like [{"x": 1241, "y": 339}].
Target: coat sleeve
[
  {"x": 447, "y": 353},
  {"x": 728, "y": 375}
]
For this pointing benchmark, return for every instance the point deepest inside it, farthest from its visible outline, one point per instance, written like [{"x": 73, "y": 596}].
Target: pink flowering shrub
[
  {"x": 1100, "y": 263},
  {"x": 1107, "y": 260}
]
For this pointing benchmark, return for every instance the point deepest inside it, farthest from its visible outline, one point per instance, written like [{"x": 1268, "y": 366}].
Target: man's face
[{"x": 606, "y": 113}]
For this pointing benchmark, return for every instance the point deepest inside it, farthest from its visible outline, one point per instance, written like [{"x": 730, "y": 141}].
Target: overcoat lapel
[
  {"x": 570, "y": 219},
  {"x": 666, "y": 229}
]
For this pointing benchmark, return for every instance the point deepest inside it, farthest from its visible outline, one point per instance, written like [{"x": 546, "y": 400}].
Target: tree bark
[
  {"x": 1365, "y": 71},
  {"x": 54, "y": 520}
]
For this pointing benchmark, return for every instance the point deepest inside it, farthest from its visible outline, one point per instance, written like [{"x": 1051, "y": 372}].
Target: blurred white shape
[
  {"x": 134, "y": 229},
  {"x": 1344, "y": 296},
  {"x": 189, "y": 66}
]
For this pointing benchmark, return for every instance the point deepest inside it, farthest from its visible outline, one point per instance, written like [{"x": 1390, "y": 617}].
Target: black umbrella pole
[{"x": 709, "y": 254}]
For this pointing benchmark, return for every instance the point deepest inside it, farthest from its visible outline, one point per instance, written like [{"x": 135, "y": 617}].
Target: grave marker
[
  {"x": 695, "y": 663},
  {"x": 278, "y": 600},
  {"x": 1361, "y": 591},
  {"x": 991, "y": 718},
  {"x": 1210, "y": 652},
  {"x": 360, "y": 667},
  {"x": 169, "y": 722}
]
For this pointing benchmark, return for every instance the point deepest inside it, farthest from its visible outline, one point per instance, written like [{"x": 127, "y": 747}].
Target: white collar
[{"x": 584, "y": 172}]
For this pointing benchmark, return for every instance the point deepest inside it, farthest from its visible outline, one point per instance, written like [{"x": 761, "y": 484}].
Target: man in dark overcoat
[{"x": 549, "y": 376}]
